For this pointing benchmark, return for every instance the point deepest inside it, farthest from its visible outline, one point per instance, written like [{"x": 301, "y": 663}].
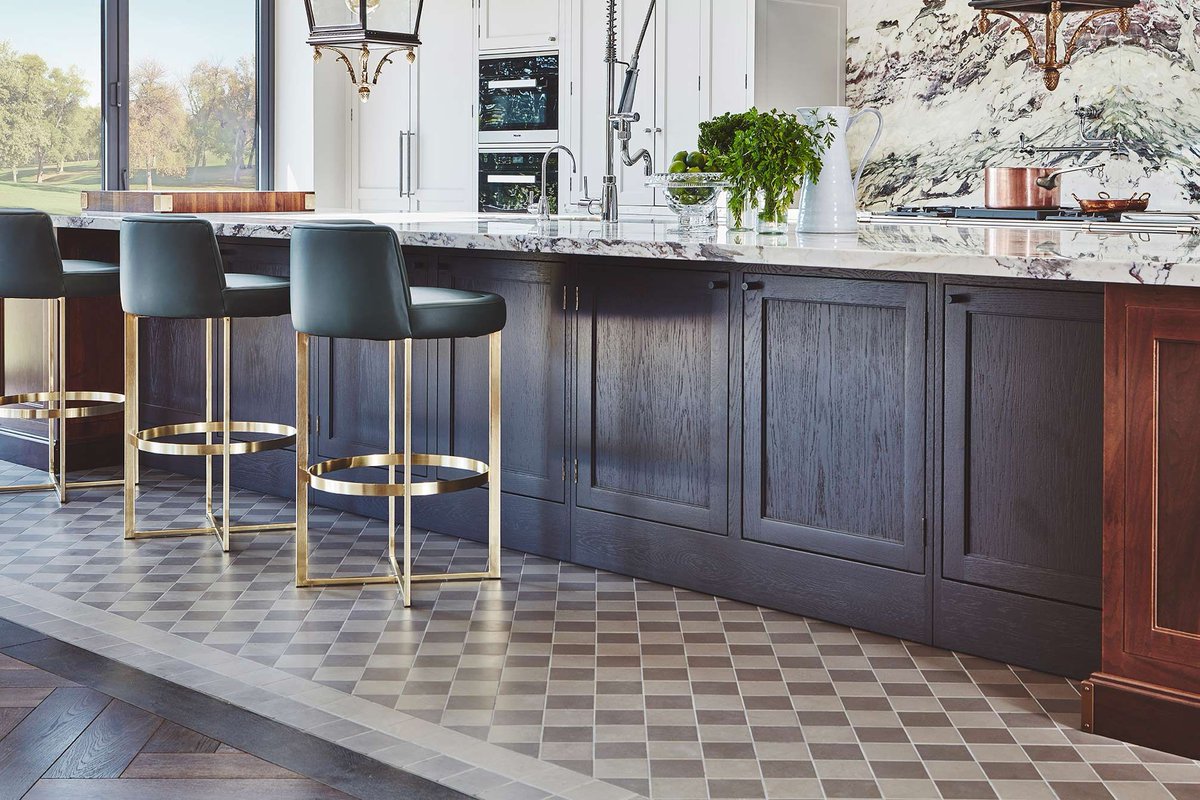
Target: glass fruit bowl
[{"x": 692, "y": 196}]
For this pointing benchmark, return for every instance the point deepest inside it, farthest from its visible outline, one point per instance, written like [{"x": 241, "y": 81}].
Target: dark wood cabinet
[
  {"x": 534, "y": 432},
  {"x": 1147, "y": 690},
  {"x": 652, "y": 360},
  {"x": 1021, "y": 473},
  {"x": 834, "y": 390}
]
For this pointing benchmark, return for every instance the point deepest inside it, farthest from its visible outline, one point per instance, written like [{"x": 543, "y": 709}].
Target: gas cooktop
[{"x": 1036, "y": 215}]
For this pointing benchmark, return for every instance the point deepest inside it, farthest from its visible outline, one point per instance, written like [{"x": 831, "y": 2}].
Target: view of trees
[
  {"x": 196, "y": 130},
  {"x": 44, "y": 121}
]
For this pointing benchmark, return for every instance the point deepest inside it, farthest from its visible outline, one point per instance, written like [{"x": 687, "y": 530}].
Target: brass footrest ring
[
  {"x": 147, "y": 440},
  {"x": 108, "y": 403},
  {"x": 317, "y": 472}
]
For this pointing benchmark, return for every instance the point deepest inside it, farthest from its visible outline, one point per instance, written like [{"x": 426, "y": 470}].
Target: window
[
  {"x": 50, "y": 104},
  {"x": 133, "y": 94}
]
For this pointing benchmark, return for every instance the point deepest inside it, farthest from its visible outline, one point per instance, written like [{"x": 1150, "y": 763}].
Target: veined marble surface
[
  {"x": 1038, "y": 253},
  {"x": 955, "y": 101}
]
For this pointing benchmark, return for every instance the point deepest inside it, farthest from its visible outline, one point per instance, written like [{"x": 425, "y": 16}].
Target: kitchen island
[{"x": 903, "y": 431}]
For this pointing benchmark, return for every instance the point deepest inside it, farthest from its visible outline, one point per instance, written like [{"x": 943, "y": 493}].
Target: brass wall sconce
[{"x": 1055, "y": 11}]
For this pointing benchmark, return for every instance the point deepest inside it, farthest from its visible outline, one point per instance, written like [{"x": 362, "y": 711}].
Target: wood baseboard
[
  {"x": 30, "y": 451},
  {"x": 1144, "y": 714}
]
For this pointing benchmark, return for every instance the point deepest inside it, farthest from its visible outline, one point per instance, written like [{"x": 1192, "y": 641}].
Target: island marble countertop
[{"x": 1016, "y": 252}]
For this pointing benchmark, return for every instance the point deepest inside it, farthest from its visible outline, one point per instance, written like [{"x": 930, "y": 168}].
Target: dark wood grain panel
[
  {"x": 108, "y": 745},
  {"x": 174, "y": 738},
  {"x": 1023, "y": 441},
  {"x": 204, "y": 766},
  {"x": 835, "y": 418},
  {"x": 653, "y": 376},
  {"x": 534, "y": 375},
  {"x": 200, "y": 202},
  {"x": 44, "y": 735},
  {"x": 1177, "y": 543}
]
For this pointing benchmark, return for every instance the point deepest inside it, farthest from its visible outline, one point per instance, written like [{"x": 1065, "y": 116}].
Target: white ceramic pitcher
[{"x": 830, "y": 205}]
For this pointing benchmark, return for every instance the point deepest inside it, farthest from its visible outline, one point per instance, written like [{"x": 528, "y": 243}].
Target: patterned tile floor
[{"x": 661, "y": 692}]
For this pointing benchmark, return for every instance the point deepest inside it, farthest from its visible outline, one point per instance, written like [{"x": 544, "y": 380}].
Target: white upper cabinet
[{"x": 517, "y": 24}]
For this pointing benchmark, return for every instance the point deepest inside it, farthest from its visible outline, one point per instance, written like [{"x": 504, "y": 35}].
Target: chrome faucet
[
  {"x": 542, "y": 207},
  {"x": 620, "y": 116}
]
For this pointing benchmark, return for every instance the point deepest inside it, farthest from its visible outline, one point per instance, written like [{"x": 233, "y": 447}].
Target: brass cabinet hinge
[
  {"x": 564, "y": 470},
  {"x": 577, "y": 470},
  {"x": 576, "y": 298},
  {"x": 564, "y": 298}
]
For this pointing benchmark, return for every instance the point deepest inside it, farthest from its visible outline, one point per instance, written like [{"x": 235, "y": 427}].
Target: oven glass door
[
  {"x": 510, "y": 181},
  {"x": 519, "y": 99}
]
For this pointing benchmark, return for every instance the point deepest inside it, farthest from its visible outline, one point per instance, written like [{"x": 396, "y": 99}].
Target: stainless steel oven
[
  {"x": 519, "y": 98},
  {"x": 509, "y": 180}
]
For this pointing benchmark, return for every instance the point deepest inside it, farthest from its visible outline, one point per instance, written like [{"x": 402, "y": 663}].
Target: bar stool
[
  {"x": 349, "y": 282},
  {"x": 32, "y": 268},
  {"x": 172, "y": 269}
]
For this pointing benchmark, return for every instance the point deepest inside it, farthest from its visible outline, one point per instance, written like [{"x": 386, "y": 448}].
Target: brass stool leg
[
  {"x": 131, "y": 420},
  {"x": 494, "y": 414},
  {"x": 406, "y": 576},
  {"x": 301, "y": 459},
  {"x": 208, "y": 416},
  {"x": 223, "y": 531}
]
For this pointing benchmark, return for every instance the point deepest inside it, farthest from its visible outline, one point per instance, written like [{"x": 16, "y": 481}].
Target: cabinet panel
[
  {"x": 534, "y": 377},
  {"x": 1022, "y": 449},
  {"x": 653, "y": 366},
  {"x": 834, "y": 414},
  {"x": 1162, "y": 560},
  {"x": 513, "y": 24}
]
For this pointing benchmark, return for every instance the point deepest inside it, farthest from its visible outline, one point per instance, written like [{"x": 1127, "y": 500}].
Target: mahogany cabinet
[{"x": 1148, "y": 688}]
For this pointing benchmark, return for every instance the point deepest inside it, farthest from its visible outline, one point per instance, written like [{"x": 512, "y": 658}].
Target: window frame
[{"x": 114, "y": 26}]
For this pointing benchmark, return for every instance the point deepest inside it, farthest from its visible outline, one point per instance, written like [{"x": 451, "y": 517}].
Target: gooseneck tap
[
  {"x": 619, "y": 115},
  {"x": 542, "y": 207}
]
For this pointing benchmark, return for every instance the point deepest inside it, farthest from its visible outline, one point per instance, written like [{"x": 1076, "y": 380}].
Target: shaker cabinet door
[
  {"x": 1022, "y": 441},
  {"x": 653, "y": 396},
  {"x": 834, "y": 457}
]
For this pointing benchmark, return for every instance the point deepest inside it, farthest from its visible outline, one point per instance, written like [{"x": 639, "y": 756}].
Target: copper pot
[
  {"x": 1025, "y": 187},
  {"x": 1112, "y": 205}
]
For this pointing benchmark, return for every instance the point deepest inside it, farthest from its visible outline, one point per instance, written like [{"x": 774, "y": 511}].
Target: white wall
[
  {"x": 293, "y": 99},
  {"x": 800, "y": 53}
]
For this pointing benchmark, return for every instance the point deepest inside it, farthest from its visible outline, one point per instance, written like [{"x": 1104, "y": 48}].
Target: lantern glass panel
[{"x": 393, "y": 16}]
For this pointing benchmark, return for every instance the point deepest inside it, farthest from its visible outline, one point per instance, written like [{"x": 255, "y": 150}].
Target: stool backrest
[
  {"x": 349, "y": 282},
  {"x": 171, "y": 267},
  {"x": 30, "y": 264}
]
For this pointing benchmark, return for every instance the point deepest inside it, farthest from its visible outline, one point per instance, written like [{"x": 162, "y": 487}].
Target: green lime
[
  {"x": 682, "y": 155},
  {"x": 677, "y": 167},
  {"x": 697, "y": 160},
  {"x": 695, "y": 170}
]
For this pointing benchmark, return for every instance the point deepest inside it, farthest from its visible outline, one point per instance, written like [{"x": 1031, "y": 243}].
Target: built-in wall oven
[
  {"x": 519, "y": 98},
  {"x": 510, "y": 180}
]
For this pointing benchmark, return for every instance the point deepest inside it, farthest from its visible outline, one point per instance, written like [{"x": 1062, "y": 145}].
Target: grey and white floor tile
[{"x": 559, "y": 681}]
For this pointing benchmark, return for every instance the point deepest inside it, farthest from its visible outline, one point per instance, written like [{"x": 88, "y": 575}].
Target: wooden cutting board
[{"x": 199, "y": 202}]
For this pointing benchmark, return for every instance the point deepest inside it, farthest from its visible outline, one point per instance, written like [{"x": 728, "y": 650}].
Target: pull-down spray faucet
[{"x": 620, "y": 116}]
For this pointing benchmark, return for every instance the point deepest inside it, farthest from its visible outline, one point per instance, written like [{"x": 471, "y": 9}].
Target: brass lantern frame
[
  {"x": 1055, "y": 12},
  {"x": 352, "y": 45}
]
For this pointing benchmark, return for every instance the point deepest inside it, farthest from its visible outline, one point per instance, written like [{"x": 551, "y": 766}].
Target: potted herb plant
[{"x": 766, "y": 156}]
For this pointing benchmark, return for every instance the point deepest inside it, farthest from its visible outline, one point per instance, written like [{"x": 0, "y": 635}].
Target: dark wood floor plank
[
  {"x": 14, "y": 634},
  {"x": 10, "y": 718},
  {"x": 32, "y": 678},
  {"x": 172, "y": 738},
  {"x": 40, "y": 738},
  {"x": 11, "y": 663},
  {"x": 205, "y": 765},
  {"x": 108, "y": 745},
  {"x": 126, "y": 789},
  {"x": 23, "y": 698}
]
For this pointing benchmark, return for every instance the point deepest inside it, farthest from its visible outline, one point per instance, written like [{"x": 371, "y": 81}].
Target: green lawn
[{"x": 59, "y": 194}]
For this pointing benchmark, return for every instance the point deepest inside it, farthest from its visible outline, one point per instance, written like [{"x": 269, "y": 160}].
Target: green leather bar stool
[
  {"x": 349, "y": 282},
  {"x": 172, "y": 268},
  {"x": 32, "y": 268}
]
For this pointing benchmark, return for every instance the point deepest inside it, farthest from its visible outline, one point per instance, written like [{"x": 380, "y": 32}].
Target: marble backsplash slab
[{"x": 956, "y": 101}]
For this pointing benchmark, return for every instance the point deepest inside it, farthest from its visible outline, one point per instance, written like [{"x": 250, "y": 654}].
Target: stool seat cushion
[
  {"x": 90, "y": 279},
  {"x": 248, "y": 295},
  {"x": 454, "y": 313}
]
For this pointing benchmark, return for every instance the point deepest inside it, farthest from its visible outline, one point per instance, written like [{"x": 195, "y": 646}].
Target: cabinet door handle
[
  {"x": 712, "y": 285},
  {"x": 955, "y": 299},
  {"x": 752, "y": 286}
]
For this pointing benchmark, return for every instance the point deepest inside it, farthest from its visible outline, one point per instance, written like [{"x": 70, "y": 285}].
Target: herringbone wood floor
[{"x": 62, "y": 741}]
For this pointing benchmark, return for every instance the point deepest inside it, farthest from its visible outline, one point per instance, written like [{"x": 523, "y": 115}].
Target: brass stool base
[
  {"x": 56, "y": 411},
  {"x": 149, "y": 440},
  {"x": 315, "y": 477}
]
